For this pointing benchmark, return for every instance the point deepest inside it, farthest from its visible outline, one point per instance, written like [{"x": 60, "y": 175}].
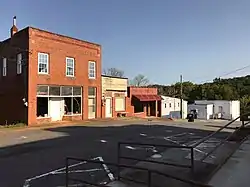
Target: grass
[
  {"x": 13, "y": 126},
  {"x": 96, "y": 122}
]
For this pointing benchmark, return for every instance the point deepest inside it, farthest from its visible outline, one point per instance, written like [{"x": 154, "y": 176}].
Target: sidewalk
[{"x": 236, "y": 170}]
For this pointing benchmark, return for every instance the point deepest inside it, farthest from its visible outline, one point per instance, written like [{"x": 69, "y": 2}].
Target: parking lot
[{"x": 43, "y": 161}]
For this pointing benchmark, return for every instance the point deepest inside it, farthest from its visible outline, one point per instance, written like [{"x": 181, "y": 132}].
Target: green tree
[{"x": 237, "y": 88}]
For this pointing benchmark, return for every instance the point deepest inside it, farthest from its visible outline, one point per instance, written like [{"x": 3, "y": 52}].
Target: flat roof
[
  {"x": 110, "y": 76},
  {"x": 53, "y": 33}
]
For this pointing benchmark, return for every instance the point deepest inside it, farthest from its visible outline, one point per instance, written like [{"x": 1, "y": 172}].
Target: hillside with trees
[
  {"x": 237, "y": 88},
  {"x": 223, "y": 89}
]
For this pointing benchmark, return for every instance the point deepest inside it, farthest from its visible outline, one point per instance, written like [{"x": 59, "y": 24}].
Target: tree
[
  {"x": 244, "y": 103},
  {"x": 114, "y": 72},
  {"x": 139, "y": 80}
]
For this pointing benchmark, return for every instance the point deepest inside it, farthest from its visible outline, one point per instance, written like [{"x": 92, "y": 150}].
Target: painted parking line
[
  {"x": 170, "y": 139},
  {"x": 79, "y": 171},
  {"x": 63, "y": 171},
  {"x": 145, "y": 148}
]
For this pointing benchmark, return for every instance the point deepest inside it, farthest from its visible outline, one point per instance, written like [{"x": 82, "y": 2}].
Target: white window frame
[
  {"x": 4, "y": 67},
  {"x": 73, "y": 67},
  {"x": 92, "y": 72},
  {"x": 19, "y": 63},
  {"x": 47, "y": 63}
]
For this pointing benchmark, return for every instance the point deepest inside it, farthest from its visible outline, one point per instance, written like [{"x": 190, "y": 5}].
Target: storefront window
[
  {"x": 42, "y": 90},
  {"x": 67, "y": 91},
  {"x": 77, "y": 91},
  {"x": 54, "y": 90}
]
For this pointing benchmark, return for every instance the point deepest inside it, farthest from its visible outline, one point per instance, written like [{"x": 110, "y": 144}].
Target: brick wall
[
  {"x": 42, "y": 120},
  {"x": 72, "y": 118},
  {"x": 141, "y": 91},
  {"x": 14, "y": 86},
  {"x": 59, "y": 47}
]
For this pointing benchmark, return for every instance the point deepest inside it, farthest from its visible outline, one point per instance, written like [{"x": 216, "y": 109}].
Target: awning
[{"x": 148, "y": 97}]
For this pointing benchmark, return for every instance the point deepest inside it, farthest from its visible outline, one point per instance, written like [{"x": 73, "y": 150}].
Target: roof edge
[
  {"x": 114, "y": 77},
  {"x": 61, "y": 35}
]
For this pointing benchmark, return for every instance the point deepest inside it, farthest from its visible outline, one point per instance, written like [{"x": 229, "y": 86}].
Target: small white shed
[
  {"x": 223, "y": 109},
  {"x": 171, "y": 107},
  {"x": 204, "y": 111}
]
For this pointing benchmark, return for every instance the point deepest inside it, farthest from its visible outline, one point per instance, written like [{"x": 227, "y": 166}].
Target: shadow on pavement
[{"x": 24, "y": 161}]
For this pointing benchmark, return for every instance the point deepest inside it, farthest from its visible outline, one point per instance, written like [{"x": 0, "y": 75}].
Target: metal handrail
[
  {"x": 156, "y": 162},
  {"x": 155, "y": 145},
  {"x": 217, "y": 146},
  {"x": 220, "y": 129},
  {"x": 150, "y": 171},
  {"x": 191, "y": 166}
]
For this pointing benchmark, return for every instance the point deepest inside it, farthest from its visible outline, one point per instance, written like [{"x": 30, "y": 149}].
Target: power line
[
  {"x": 225, "y": 74},
  {"x": 239, "y": 69}
]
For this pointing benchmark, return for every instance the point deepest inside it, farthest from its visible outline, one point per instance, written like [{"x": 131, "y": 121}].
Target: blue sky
[{"x": 160, "y": 39}]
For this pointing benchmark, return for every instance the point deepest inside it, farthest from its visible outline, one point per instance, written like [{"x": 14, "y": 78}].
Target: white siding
[
  {"x": 205, "y": 111},
  {"x": 235, "y": 109},
  {"x": 228, "y": 109},
  {"x": 170, "y": 107}
]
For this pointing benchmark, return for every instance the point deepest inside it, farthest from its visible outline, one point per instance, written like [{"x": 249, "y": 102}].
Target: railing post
[
  {"x": 67, "y": 174},
  {"x": 243, "y": 123},
  {"x": 192, "y": 160},
  {"x": 118, "y": 160},
  {"x": 149, "y": 178}
]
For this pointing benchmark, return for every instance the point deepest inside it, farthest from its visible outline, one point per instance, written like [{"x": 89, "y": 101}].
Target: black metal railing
[
  {"x": 120, "y": 157},
  {"x": 191, "y": 147},
  {"x": 222, "y": 141},
  {"x": 149, "y": 174}
]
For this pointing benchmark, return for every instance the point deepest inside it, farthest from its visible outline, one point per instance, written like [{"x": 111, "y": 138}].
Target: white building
[
  {"x": 223, "y": 109},
  {"x": 171, "y": 107},
  {"x": 204, "y": 111}
]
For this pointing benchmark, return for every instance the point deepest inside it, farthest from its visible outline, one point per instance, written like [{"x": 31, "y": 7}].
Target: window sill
[
  {"x": 43, "y": 73},
  {"x": 43, "y": 117},
  {"x": 72, "y": 114},
  {"x": 70, "y": 77}
]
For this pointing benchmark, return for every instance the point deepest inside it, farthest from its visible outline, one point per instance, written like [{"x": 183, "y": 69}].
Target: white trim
[
  {"x": 19, "y": 63},
  {"x": 42, "y": 117},
  {"x": 4, "y": 70},
  {"x": 92, "y": 63},
  {"x": 72, "y": 114},
  {"x": 47, "y": 63},
  {"x": 111, "y": 107},
  {"x": 58, "y": 96},
  {"x": 70, "y": 58}
]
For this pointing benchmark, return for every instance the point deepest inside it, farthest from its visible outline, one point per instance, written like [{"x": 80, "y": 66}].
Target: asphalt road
[{"x": 27, "y": 160}]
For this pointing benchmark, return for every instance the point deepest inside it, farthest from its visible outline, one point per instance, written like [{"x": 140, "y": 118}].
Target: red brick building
[
  {"x": 48, "y": 77},
  {"x": 145, "y": 101}
]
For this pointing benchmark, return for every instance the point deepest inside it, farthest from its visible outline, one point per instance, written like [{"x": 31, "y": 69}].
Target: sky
[{"x": 161, "y": 39}]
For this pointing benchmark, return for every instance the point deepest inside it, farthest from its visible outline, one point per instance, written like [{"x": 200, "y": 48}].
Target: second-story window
[
  {"x": 92, "y": 70},
  {"x": 70, "y": 66},
  {"x": 19, "y": 64},
  {"x": 4, "y": 67},
  {"x": 43, "y": 63}
]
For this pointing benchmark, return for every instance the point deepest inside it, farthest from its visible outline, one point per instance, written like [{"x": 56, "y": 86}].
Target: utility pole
[{"x": 181, "y": 108}]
